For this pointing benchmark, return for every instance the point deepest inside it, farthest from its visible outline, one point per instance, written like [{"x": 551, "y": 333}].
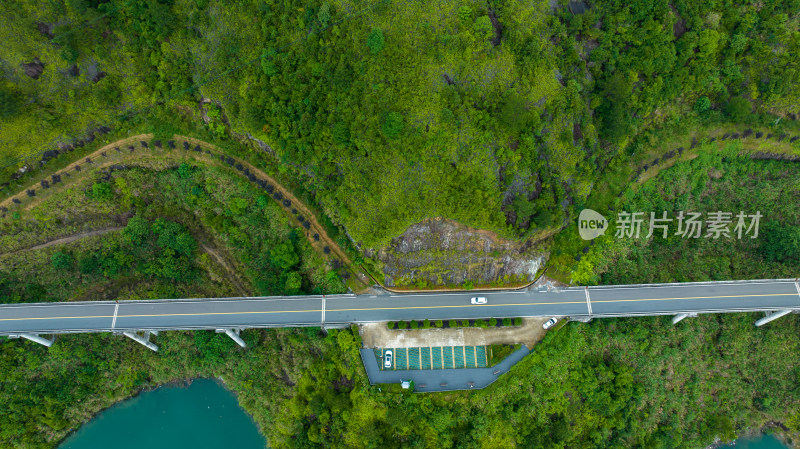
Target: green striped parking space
[
  {"x": 447, "y": 357},
  {"x": 480, "y": 356},
  {"x": 400, "y": 359},
  {"x": 437, "y": 357},
  {"x": 425, "y": 358},
  {"x": 413, "y": 358},
  {"x": 458, "y": 356},
  {"x": 379, "y": 355},
  {"x": 469, "y": 356}
]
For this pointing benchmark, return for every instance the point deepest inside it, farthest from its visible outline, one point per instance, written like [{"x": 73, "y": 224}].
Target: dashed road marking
[
  {"x": 265, "y": 312},
  {"x": 114, "y": 321},
  {"x": 588, "y": 301},
  {"x": 797, "y": 286}
]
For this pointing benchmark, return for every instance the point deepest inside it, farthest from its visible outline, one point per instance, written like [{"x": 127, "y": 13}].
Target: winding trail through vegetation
[
  {"x": 72, "y": 238},
  {"x": 8, "y": 202},
  {"x": 757, "y": 140},
  {"x": 233, "y": 276},
  {"x": 302, "y": 209},
  {"x": 100, "y": 159},
  {"x": 204, "y": 247}
]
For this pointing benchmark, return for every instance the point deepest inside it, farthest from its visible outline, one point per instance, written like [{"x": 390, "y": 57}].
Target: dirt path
[
  {"x": 232, "y": 275},
  {"x": 234, "y": 278},
  {"x": 750, "y": 144},
  {"x": 71, "y": 167},
  {"x": 316, "y": 228},
  {"x": 377, "y": 335},
  {"x": 152, "y": 153},
  {"x": 72, "y": 238},
  {"x": 67, "y": 239}
]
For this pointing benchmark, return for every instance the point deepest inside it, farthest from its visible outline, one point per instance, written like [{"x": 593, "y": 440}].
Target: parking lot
[{"x": 438, "y": 357}]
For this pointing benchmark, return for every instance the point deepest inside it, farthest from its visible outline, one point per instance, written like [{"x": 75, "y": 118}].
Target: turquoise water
[
  {"x": 203, "y": 416},
  {"x": 760, "y": 442}
]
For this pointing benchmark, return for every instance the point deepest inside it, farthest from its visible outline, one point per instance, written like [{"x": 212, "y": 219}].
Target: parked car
[
  {"x": 387, "y": 359},
  {"x": 549, "y": 323},
  {"x": 478, "y": 300}
]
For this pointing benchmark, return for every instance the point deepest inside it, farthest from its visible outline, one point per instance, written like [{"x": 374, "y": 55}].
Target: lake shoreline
[
  {"x": 184, "y": 383},
  {"x": 180, "y": 383},
  {"x": 773, "y": 428}
]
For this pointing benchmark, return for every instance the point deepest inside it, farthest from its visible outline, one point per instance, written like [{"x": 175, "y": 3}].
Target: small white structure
[{"x": 406, "y": 384}]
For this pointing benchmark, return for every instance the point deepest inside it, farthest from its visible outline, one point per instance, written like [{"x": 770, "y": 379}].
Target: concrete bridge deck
[{"x": 336, "y": 310}]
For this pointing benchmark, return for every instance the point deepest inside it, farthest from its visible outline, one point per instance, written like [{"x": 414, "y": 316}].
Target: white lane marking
[
  {"x": 754, "y": 282},
  {"x": 464, "y": 294},
  {"x": 114, "y": 321},
  {"x": 797, "y": 286},
  {"x": 160, "y": 301},
  {"x": 588, "y": 301},
  {"x": 212, "y": 300},
  {"x": 323, "y": 310}
]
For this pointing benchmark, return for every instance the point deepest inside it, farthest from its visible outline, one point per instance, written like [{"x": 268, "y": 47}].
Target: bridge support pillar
[
  {"x": 581, "y": 318},
  {"x": 677, "y": 318},
  {"x": 33, "y": 337},
  {"x": 234, "y": 334},
  {"x": 144, "y": 340},
  {"x": 773, "y": 316}
]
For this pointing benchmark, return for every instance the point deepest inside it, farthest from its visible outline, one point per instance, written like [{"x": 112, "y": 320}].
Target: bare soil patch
[{"x": 377, "y": 335}]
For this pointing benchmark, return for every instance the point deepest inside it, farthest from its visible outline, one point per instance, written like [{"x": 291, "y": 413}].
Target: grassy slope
[
  {"x": 218, "y": 208},
  {"x": 714, "y": 181},
  {"x": 620, "y": 186}
]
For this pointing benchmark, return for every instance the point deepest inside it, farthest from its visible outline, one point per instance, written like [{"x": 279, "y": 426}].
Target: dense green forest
[{"x": 502, "y": 115}]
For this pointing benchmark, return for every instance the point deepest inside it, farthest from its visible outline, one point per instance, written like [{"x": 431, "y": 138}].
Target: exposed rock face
[
  {"x": 498, "y": 29},
  {"x": 442, "y": 252},
  {"x": 45, "y": 29},
  {"x": 261, "y": 144},
  {"x": 100, "y": 75},
  {"x": 34, "y": 69},
  {"x": 679, "y": 27}
]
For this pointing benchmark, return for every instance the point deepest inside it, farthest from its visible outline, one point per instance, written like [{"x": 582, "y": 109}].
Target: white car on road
[
  {"x": 478, "y": 300},
  {"x": 387, "y": 359},
  {"x": 549, "y": 323}
]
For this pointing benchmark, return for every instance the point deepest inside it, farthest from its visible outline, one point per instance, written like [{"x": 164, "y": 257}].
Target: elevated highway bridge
[{"x": 138, "y": 319}]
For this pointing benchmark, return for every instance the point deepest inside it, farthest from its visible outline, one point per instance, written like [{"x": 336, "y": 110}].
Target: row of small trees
[{"x": 427, "y": 324}]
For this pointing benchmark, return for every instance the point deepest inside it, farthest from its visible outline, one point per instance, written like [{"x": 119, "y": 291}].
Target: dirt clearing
[{"x": 377, "y": 335}]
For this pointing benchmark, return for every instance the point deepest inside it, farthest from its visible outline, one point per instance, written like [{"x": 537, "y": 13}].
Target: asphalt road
[
  {"x": 441, "y": 379},
  {"x": 597, "y": 302}
]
